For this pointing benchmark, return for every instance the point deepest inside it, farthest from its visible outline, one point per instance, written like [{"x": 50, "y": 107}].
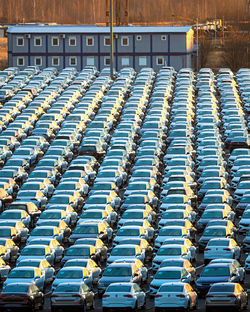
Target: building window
[
  {"x": 125, "y": 61},
  {"x": 55, "y": 61},
  {"x": 20, "y": 41},
  {"x": 90, "y": 61},
  {"x": 55, "y": 41},
  {"x": 142, "y": 61},
  {"x": 124, "y": 41},
  {"x": 106, "y": 60},
  {"x": 20, "y": 61},
  {"x": 164, "y": 37},
  {"x": 72, "y": 61},
  {"x": 159, "y": 60},
  {"x": 38, "y": 61},
  {"x": 138, "y": 38},
  {"x": 106, "y": 41},
  {"x": 72, "y": 41},
  {"x": 89, "y": 41},
  {"x": 37, "y": 41}
]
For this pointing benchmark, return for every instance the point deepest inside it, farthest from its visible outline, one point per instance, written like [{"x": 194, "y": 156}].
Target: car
[
  {"x": 168, "y": 275},
  {"x": 26, "y": 274},
  {"x": 46, "y": 232},
  {"x": 47, "y": 270},
  {"x": 126, "y": 232},
  {"x": 94, "y": 270},
  {"x": 119, "y": 272},
  {"x": 236, "y": 263},
  {"x": 16, "y": 214},
  {"x": 21, "y": 295},
  {"x": 99, "y": 230},
  {"x": 216, "y": 273},
  {"x": 170, "y": 251},
  {"x": 37, "y": 252},
  {"x": 176, "y": 295},
  {"x": 218, "y": 231},
  {"x": 128, "y": 251},
  {"x": 226, "y": 247},
  {"x": 81, "y": 252},
  {"x": 72, "y": 294},
  {"x": 72, "y": 274},
  {"x": 225, "y": 295},
  {"x": 123, "y": 295},
  {"x": 52, "y": 243},
  {"x": 170, "y": 231}
]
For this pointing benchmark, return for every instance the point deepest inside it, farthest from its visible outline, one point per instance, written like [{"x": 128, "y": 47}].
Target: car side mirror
[{"x": 36, "y": 277}]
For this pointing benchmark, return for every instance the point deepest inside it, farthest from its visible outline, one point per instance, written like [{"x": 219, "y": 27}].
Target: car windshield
[
  {"x": 29, "y": 264},
  {"x": 59, "y": 200},
  {"x": 212, "y": 215},
  {"x": 67, "y": 288},
  {"x": 128, "y": 232},
  {"x": 118, "y": 271},
  {"x": 12, "y": 288},
  {"x": 78, "y": 252},
  {"x": 215, "y": 271},
  {"x": 168, "y": 275},
  {"x": 89, "y": 229},
  {"x": 97, "y": 200},
  {"x": 169, "y": 251},
  {"x": 222, "y": 288},
  {"x": 133, "y": 215},
  {"x": 5, "y": 232},
  {"x": 171, "y": 288},
  {"x": 212, "y": 200},
  {"x": 171, "y": 263},
  {"x": 10, "y": 215},
  {"x": 218, "y": 243},
  {"x": 51, "y": 215},
  {"x": 21, "y": 274},
  {"x": 65, "y": 274},
  {"x": 135, "y": 200},
  {"x": 123, "y": 252},
  {"x": 76, "y": 263},
  {"x": 42, "y": 232},
  {"x": 173, "y": 215},
  {"x": 214, "y": 232},
  {"x": 118, "y": 288},
  {"x": 92, "y": 215},
  {"x": 170, "y": 232},
  {"x": 246, "y": 214},
  {"x": 33, "y": 251}
]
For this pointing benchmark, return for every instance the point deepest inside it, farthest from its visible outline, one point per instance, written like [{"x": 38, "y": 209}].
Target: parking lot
[{"x": 143, "y": 180}]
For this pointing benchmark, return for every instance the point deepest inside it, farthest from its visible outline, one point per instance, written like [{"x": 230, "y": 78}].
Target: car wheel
[
  {"x": 136, "y": 308},
  {"x": 84, "y": 307}
]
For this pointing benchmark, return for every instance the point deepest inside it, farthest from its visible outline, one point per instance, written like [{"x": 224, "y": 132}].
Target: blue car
[{"x": 216, "y": 273}]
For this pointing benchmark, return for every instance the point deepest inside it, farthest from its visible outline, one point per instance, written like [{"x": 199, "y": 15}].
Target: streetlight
[{"x": 111, "y": 40}]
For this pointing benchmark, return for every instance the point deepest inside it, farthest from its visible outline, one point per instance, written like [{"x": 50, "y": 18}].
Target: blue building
[{"x": 79, "y": 45}]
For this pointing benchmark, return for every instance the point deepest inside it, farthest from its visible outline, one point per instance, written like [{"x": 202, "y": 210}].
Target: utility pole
[
  {"x": 197, "y": 44},
  {"x": 111, "y": 40}
]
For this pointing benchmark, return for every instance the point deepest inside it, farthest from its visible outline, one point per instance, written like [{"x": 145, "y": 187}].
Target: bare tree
[{"x": 237, "y": 49}]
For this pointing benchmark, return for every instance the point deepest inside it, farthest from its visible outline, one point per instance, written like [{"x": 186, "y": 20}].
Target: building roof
[{"x": 45, "y": 29}]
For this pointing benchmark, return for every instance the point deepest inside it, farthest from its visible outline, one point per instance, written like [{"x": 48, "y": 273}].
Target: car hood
[{"x": 58, "y": 281}]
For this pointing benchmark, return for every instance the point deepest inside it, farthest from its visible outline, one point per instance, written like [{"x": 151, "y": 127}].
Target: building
[{"x": 79, "y": 45}]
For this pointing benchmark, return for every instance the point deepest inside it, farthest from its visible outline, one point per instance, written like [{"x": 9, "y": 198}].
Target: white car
[
  {"x": 123, "y": 295},
  {"x": 224, "y": 247},
  {"x": 176, "y": 295},
  {"x": 169, "y": 275}
]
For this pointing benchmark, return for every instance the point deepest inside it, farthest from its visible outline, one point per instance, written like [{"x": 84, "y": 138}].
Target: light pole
[{"x": 111, "y": 40}]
